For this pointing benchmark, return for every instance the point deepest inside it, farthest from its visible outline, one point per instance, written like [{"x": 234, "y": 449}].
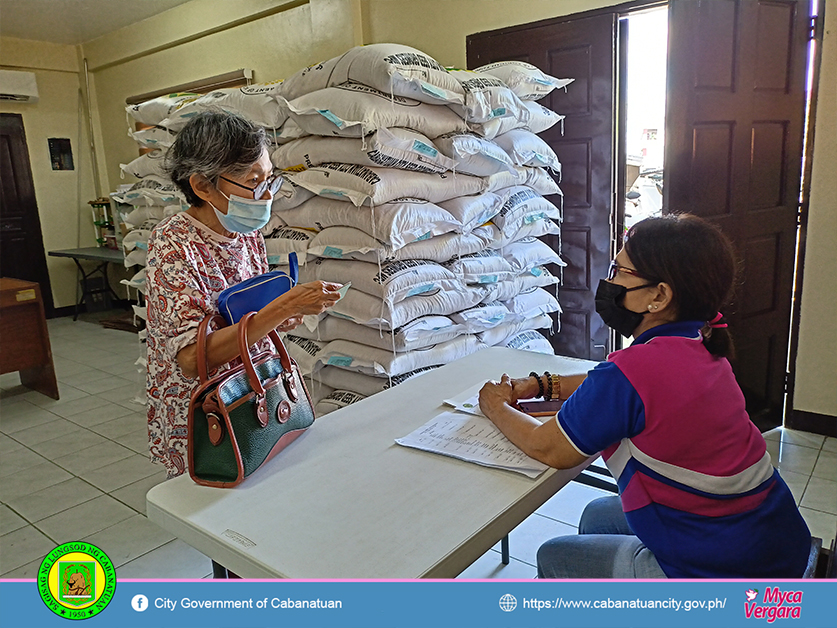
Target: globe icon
[{"x": 508, "y": 602}]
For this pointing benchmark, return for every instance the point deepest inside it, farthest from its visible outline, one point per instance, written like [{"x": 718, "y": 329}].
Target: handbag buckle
[
  {"x": 290, "y": 386},
  {"x": 216, "y": 429},
  {"x": 261, "y": 410},
  {"x": 283, "y": 411},
  {"x": 210, "y": 403}
]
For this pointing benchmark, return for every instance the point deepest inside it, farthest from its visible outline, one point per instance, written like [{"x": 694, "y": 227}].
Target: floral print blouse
[{"x": 188, "y": 266}]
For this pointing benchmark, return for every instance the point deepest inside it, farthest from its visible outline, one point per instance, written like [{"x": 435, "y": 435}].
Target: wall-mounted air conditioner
[{"x": 18, "y": 86}]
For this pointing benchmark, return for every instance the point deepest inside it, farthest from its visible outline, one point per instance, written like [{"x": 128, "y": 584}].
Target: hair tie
[{"x": 717, "y": 322}]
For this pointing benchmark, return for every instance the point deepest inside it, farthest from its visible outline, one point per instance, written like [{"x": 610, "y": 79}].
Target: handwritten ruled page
[{"x": 473, "y": 439}]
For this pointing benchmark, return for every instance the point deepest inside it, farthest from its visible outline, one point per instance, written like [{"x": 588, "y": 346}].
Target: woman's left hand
[
  {"x": 493, "y": 395},
  {"x": 290, "y": 323}
]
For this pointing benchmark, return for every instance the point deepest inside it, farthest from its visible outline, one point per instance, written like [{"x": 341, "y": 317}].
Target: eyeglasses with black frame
[
  {"x": 271, "y": 184},
  {"x": 615, "y": 269}
]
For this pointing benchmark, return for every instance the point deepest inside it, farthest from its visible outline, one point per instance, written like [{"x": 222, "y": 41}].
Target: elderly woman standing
[{"x": 221, "y": 164}]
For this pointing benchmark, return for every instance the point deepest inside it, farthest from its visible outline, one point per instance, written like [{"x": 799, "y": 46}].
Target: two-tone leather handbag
[{"x": 242, "y": 417}]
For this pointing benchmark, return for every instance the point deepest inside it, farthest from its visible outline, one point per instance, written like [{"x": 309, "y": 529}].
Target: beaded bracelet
[
  {"x": 540, "y": 382},
  {"x": 548, "y": 395}
]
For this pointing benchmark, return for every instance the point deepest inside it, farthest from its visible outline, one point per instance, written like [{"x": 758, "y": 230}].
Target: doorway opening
[
  {"x": 790, "y": 419},
  {"x": 643, "y": 68},
  {"x": 645, "y": 106}
]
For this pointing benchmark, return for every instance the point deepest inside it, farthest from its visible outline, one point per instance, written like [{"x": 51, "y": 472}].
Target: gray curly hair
[{"x": 214, "y": 143}]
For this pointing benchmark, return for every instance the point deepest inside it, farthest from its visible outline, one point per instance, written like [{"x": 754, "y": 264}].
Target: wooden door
[
  {"x": 22, "y": 254},
  {"x": 582, "y": 49},
  {"x": 734, "y": 127}
]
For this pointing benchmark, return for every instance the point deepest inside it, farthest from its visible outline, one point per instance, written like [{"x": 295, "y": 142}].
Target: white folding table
[{"x": 345, "y": 501}]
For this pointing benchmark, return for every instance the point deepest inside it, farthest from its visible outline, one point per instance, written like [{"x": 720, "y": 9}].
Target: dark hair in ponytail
[{"x": 697, "y": 260}]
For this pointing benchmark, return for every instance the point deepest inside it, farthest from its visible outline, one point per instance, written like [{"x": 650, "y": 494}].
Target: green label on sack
[
  {"x": 432, "y": 90},
  {"x": 499, "y": 111},
  {"x": 332, "y": 251},
  {"x": 421, "y": 289},
  {"x": 421, "y": 147},
  {"x": 426, "y": 236},
  {"x": 331, "y": 118},
  {"x": 488, "y": 279},
  {"x": 329, "y": 192},
  {"x": 536, "y": 271},
  {"x": 533, "y": 218},
  {"x": 340, "y": 360}
]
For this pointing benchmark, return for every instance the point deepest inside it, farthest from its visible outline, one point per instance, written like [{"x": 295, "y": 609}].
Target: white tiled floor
[{"x": 77, "y": 469}]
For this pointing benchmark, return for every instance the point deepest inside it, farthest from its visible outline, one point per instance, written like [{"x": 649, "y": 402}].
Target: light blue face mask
[{"x": 244, "y": 215}]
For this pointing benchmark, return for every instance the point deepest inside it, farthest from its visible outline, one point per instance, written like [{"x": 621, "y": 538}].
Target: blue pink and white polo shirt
[{"x": 697, "y": 484}]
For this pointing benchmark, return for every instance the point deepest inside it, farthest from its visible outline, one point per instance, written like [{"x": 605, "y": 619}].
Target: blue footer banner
[{"x": 83, "y": 591}]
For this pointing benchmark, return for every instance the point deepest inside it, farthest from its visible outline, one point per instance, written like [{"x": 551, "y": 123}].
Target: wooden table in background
[{"x": 24, "y": 337}]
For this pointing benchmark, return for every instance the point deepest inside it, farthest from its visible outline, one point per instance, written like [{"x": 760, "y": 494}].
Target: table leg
[
  {"x": 85, "y": 291},
  {"x": 103, "y": 268},
  {"x": 81, "y": 299},
  {"x": 42, "y": 379},
  {"x": 504, "y": 549},
  {"x": 222, "y": 573},
  {"x": 219, "y": 572}
]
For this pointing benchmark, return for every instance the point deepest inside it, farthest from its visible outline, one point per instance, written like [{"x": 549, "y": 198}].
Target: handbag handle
[
  {"x": 284, "y": 358},
  {"x": 203, "y": 332}
]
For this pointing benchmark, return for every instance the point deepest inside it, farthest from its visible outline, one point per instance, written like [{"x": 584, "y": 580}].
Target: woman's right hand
[
  {"x": 524, "y": 388},
  {"x": 310, "y": 298}
]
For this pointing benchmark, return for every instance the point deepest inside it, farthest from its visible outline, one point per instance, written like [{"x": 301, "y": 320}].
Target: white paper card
[{"x": 471, "y": 405}]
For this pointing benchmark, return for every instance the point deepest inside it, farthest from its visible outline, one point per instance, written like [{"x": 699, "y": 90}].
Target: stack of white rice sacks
[{"x": 423, "y": 187}]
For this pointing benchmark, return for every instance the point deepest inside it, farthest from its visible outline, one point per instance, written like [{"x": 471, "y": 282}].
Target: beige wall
[
  {"x": 66, "y": 220},
  {"x": 439, "y": 27},
  {"x": 816, "y": 363},
  {"x": 200, "y": 39}
]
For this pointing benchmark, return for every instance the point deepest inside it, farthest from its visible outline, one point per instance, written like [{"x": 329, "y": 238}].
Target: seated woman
[
  {"x": 220, "y": 162},
  {"x": 699, "y": 497}
]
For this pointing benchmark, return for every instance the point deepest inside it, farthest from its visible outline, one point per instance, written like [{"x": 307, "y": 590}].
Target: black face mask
[{"x": 609, "y": 299}]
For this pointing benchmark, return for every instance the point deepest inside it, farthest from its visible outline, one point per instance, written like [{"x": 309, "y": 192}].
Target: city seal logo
[{"x": 76, "y": 580}]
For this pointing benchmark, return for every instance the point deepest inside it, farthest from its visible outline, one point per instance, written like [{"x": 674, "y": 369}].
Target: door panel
[
  {"x": 584, "y": 50},
  {"x": 734, "y": 126},
  {"x": 22, "y": 253}
]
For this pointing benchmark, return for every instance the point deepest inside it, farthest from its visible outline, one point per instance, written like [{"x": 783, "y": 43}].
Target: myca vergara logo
[
  {"x": 776, "y": 604},
  {"x": 76, "y": 580}
]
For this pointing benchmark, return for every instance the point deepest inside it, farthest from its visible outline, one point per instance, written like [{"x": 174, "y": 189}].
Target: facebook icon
[{"x": 139, "y": 603}]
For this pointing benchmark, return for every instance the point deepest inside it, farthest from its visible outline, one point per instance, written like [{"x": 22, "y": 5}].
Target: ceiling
[{"x": 74, "y": 21}]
